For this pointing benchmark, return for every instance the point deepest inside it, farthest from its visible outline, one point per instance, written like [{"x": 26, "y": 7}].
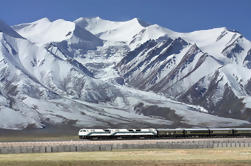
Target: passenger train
[{"x": 162, "y": 133}]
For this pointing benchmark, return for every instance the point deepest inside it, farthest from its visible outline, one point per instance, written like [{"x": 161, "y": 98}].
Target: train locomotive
[
  {"x": 162, "y": 133},
  {"x": 117, "y": 133}
]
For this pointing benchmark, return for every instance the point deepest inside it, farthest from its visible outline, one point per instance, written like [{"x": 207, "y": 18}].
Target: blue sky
[{"x": 178, "y": 15}]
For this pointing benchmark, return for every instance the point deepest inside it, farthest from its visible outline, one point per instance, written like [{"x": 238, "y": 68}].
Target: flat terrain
[
  {"x": 51, "y": 133},
  {"x": 216, "y": 157},
  {"x": 21, "y": 138}
]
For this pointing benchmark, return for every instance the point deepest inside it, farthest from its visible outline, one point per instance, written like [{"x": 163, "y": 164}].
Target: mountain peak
[
  {"x": 84, "y": 21},
  {"x": 68, "y": 74},
  {"x": 139, "y": 21},
  {"x": 42, "y": 20},
  {"x": 44, "y": 31},
  {"x": 98, "y": 18},
  {"x": 88, "y": 19}
]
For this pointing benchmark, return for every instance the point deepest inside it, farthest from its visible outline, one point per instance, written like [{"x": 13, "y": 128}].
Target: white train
[
  {"x": 116, "y": 133},
  {"x": 165, "y": 133}
]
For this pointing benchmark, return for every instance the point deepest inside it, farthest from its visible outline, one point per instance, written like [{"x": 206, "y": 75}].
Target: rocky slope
[
  {"x": 98, "y": 73},
  {"x": 208, "y": 68}
]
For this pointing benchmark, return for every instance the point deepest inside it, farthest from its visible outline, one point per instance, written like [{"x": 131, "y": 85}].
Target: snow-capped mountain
[
  {"x": 64, "y": 35},
  {"x": 133, "y": 32},
  {"x": 210, "y": 68},
  {"x": 98, "y": 73}
]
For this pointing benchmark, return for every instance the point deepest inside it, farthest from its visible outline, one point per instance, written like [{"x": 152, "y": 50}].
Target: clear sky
[{"x": 178, "y": 15}]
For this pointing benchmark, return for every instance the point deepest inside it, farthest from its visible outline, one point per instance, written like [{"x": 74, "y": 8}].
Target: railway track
[{"x": 143, "y": 142}]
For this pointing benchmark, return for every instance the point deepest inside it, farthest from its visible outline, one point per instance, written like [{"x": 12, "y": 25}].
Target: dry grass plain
[
  {"x": 39, "y": 138},
  {"x": 153, "y": 157},
  {"x": 51, "y": 133}
]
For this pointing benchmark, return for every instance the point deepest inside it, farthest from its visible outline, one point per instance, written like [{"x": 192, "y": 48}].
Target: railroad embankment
[{"x": 111, "y": 145}]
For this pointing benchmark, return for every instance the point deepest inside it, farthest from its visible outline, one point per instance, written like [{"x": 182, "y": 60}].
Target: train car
[
  {"x": 116, "y": 133},
  {"x": 222, "y": 132},
  {"x": 134, "y": 133},
  {"x": 170, "y": 133},
  {"x": 162, "y": 133},
  {"x": 242, "y": 132},
  {"x": 203, "y": 132}
]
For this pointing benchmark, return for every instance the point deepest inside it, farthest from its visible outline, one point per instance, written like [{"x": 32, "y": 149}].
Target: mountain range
[{"x": 93, "y": 72}]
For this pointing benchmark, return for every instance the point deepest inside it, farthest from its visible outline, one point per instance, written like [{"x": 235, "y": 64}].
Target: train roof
[
  {"x": 221, "y": 129},
  {"x": 242, "y": 128},
  {"x": 169, "y": 129},
  {"x": 196, "y": 129}
]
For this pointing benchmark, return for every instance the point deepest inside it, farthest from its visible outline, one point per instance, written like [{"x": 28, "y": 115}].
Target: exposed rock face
[
  {"x": 99, "y": 73},
  {"x": 217, "y": 79}
]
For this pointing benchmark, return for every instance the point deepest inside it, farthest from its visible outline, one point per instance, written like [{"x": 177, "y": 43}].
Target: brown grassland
[{"x": 150, "y": 157}]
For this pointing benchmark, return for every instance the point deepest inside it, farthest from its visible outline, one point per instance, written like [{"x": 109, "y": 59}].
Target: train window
[
  {"x": 198, "y": 132},
  {"x": 138, "y": 130},
  {"x": 107, "y": 131},
  {"x": 221, "y": 131},
  {"x": 131, "y": 130},
  {"x": 242, "y": 131}
]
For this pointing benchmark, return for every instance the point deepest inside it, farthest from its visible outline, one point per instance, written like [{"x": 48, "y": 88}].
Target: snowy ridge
[
  {"x": 64, "y": 34},
  {"x": 109, "y": 30},
  {"x": 44, "y": 31},
  {"x": 98, "y": 73},
  {"x": 133, "y": 32}
]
